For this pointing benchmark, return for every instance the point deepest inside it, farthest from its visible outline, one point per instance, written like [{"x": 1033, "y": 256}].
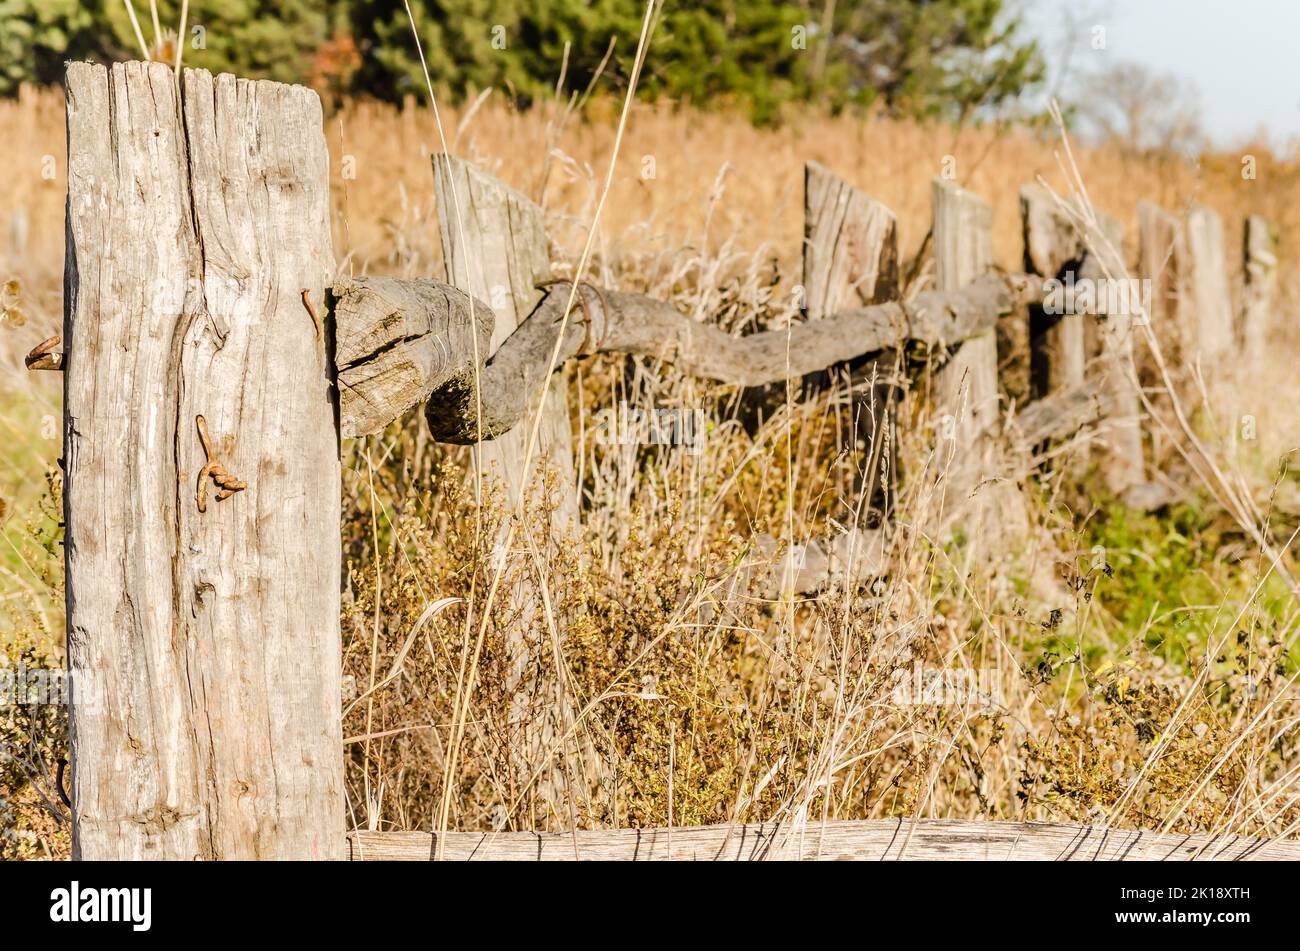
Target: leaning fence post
[
  {"x": 850, "y": 259},
  {"x": 1260, "y": 248},
  {"x": 1210, "y": 302},
  {"x": 202, "y": 491}
]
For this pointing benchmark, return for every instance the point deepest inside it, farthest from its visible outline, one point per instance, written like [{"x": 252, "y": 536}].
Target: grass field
[{"x": 1136, "y": 668}]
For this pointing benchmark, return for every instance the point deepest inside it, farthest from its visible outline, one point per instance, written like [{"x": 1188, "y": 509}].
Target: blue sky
[{"x": 1242, "y": 56}]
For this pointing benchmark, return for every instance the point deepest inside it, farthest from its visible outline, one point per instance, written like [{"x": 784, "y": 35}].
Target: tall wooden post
[
  {"x": 1210, "y": 300},
  {"x": 1120, "y": 303},
  {"x": 1260, "y": 298},
  {"x": 202, "y": 470},
  {"x": 967, "y": 386},
  {"x": 1054, "y": 251},
  {"x": 494, "y": 245},
  {"x": 1162, "y": 260},
  {"x": 1095, "y": 335},
  {"x": 850, "y": 259}
]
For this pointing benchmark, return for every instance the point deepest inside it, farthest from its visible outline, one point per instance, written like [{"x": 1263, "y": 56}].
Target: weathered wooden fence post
[
  {"x": 1119, "y": 305},
  {"x": 201, "y": 454},
  {"x": 1260, "y": 293},
  {"x": 967, "y": 386},
  {"x": 1095, "y": 334},
  {"x": 850, "y": 248},
  {"x": 1210, "y": 300},
  {"x": 850, "y": 259},
  {"x": 1162, "y": 260},
  {"x": 494, "y": 245},
  {"x": 1053, "y": 251}
]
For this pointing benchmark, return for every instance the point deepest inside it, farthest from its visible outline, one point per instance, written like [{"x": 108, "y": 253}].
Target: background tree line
[{"x": 913, "y": 57}]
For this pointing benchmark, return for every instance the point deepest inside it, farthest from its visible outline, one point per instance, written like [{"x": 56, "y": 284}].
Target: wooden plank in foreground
[{"x": 862, "y": 840}]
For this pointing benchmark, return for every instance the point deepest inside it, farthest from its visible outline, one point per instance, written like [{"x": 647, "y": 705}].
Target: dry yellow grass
[
  {"x": 717, "y": 181},
  {"x": 1142, "y": 693}
]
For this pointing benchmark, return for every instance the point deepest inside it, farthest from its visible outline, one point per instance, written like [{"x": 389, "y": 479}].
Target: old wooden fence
[{"x": 210, "y": 370}]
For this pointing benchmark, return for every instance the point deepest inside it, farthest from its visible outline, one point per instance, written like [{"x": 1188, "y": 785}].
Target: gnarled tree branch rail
[{"x": 406, "y": 342}]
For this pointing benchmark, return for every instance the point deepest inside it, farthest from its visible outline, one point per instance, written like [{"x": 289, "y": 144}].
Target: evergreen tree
[
  {"x": 36, "y": 36},
  {"x": 933, "y": 57},
  {"x": 916, "y": 57}
]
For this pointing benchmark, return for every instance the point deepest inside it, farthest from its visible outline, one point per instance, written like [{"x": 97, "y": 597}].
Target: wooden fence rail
[{"x": 211, "y": 370}]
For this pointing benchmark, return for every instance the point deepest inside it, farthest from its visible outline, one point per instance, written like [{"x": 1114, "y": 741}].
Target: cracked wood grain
[
  {"x": 203, "y": 646},
  {"x": 397, "y": 341}
]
